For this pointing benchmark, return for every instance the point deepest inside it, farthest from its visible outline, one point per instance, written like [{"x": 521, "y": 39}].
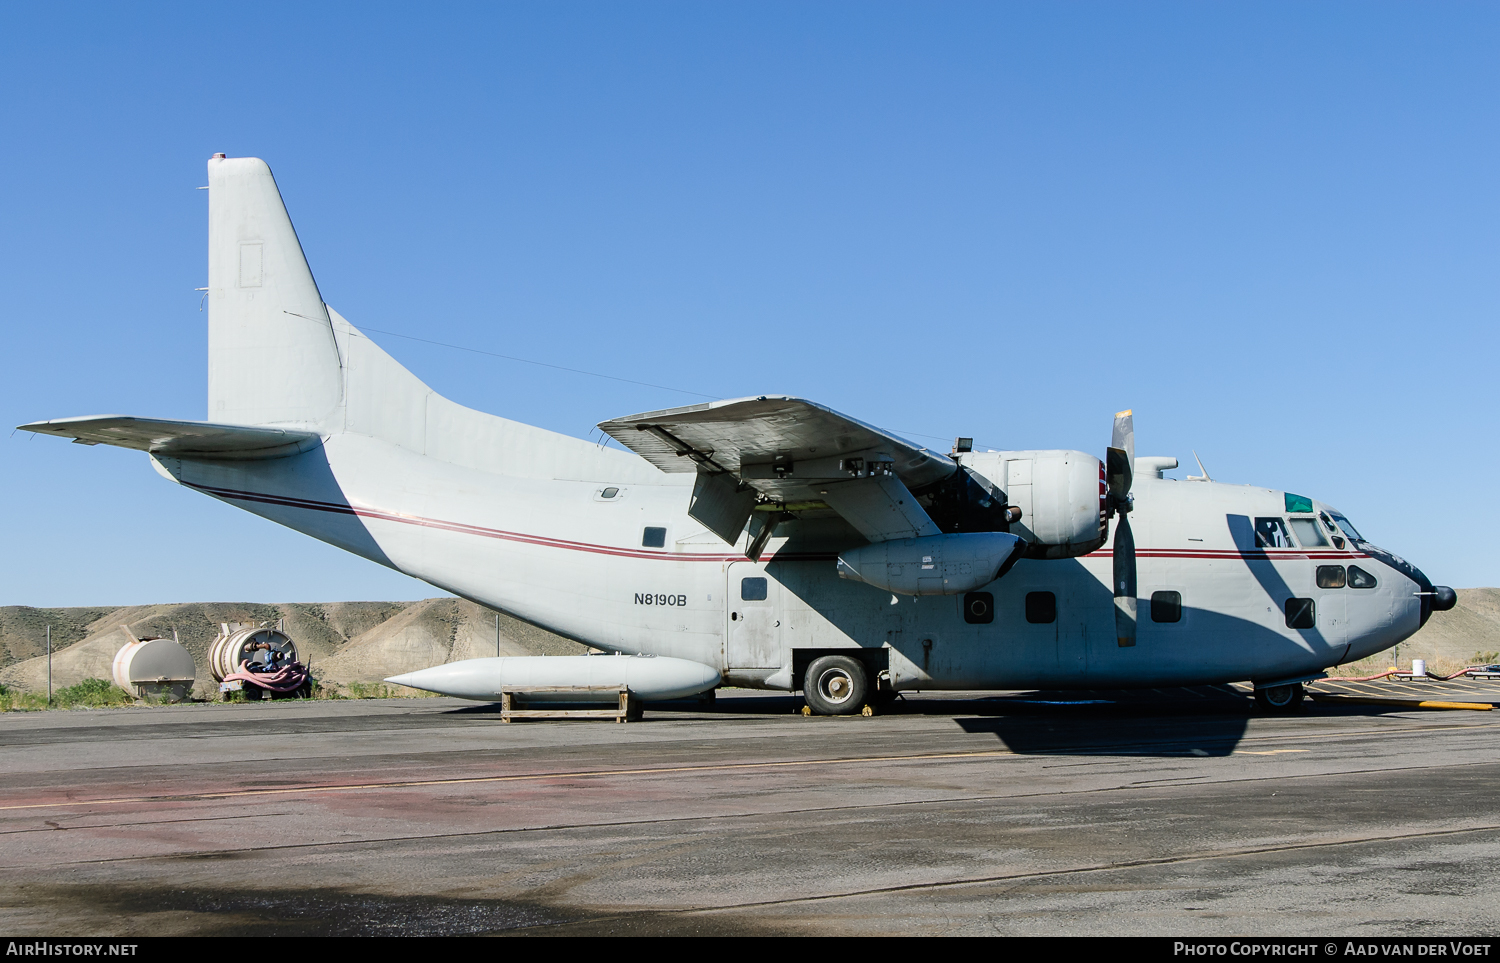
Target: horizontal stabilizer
[{"x": 179, "y": 439}]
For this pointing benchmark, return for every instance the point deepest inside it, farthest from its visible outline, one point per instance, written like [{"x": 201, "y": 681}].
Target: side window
[
  {"x": 1330, "y": 576},
  {"x": 1359, "y": 578},
  {"x": 752, "y": 589},
  {"x": 1307, "y": 532},
  {"x": 1166, "y": 606},
  {"x": 1272, "y": 533},
  {"x": 1300, "y": 614},
  {"x": 654, "y": 537},
  {"x": 1041, "y": 607},
  {"x": 979, "y": 608}
]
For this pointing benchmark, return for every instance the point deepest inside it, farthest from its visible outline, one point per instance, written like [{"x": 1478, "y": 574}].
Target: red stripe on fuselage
[{"x": 546, "y": 542}]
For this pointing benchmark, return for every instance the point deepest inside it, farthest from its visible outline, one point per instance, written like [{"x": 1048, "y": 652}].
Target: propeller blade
[
  {"x": 1120, "y": 461},
  {"x": 1119, "y": 473},
  {"x": 1124, "y": 435},
  {"x": 1124, "y": 587}
]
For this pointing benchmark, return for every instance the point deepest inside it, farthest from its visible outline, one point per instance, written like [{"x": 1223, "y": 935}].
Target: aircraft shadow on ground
[
  {"x": 1095, "y": 723},
  {"x": 1199, "y": 722}
]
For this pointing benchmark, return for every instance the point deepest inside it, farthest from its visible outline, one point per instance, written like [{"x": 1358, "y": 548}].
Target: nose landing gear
[{"x": 1280, "y": 699}]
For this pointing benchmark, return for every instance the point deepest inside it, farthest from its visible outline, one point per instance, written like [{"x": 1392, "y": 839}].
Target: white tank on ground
[
  {"x": 241, "y": 641},
  {"x": 155, "y": 668},
  {"x": 650, "y": 678}
]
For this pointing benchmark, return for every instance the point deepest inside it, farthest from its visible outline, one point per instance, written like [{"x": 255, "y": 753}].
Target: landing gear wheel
[
  {"x": 835, "y": 685},
  {"x": 1280, "y": 698}
]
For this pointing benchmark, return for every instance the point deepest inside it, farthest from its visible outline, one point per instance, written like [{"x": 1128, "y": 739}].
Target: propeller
[{"x": 1119, "y": 471}]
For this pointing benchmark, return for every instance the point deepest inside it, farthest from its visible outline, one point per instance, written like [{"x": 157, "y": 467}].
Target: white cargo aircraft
[{"x": 768, "y": 542}]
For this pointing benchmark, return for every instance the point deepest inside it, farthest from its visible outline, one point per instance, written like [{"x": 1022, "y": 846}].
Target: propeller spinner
[{"x": 1119, "y": 470}]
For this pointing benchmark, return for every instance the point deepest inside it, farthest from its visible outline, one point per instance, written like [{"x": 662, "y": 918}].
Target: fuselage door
[{"x": 752, "y": 634}]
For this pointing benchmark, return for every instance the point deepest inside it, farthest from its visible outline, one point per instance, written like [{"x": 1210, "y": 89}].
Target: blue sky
[{"x": 1268, "y": 228}]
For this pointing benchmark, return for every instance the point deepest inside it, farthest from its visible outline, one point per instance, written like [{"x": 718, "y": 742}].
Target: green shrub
[{"x": 91, "y": 693}]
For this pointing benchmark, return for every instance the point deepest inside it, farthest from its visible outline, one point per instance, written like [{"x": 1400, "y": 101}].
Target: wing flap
[
  {"x": 180, "y": 439},
  {"x": 881, "y": 508},
  {"x": 721, "y": 504},
  {"x": 787, "y": 451},
  {"x": 770, "y": 436}
]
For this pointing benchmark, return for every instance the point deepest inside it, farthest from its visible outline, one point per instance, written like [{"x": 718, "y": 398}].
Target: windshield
[{"x": 1349, "y": 529}]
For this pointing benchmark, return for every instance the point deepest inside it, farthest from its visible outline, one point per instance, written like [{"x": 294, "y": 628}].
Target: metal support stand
[{"x": 514, "y": 704}]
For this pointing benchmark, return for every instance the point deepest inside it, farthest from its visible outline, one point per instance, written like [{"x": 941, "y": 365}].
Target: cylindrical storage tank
[
  {"x": 238, "y": 643},
  {"x": 155, "y": 667}
]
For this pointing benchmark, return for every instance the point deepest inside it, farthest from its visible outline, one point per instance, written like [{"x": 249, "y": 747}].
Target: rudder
[{"x": 272, "y": 357}]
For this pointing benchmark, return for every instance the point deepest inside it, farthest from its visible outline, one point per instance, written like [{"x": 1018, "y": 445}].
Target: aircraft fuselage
[{"x": 557, "y": 553}]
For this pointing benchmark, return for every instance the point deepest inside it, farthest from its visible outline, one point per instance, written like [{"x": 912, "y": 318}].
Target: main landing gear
[
  {"x": 1280, "y": 699},
  {"x": 835, "y": 685}
]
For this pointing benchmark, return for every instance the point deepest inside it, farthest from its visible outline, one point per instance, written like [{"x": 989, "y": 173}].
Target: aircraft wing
[
  {"x": 183, "y": 439},
  {"x": 787, "y": 452}
]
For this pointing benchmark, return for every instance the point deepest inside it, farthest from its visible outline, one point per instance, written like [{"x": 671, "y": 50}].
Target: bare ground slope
[{"x": 344, "y": 641}]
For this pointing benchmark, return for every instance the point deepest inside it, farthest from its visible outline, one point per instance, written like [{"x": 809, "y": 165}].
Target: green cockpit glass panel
[{"x": 1298, "y": 503}]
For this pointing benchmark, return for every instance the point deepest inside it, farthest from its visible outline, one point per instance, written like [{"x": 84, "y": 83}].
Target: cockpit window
[
  {"x": 1307, "y": 533},
  {"x": 1333, "y": 531},
  {"x": 1359, "y": 578},
  {"x": 1298, "y": 503},
  {"x": 1272, "y": 533},
  {"x": 1349, "y": 530}
]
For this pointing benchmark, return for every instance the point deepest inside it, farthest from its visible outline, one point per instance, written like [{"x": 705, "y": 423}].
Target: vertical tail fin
[{"x": 272, "y": 358}]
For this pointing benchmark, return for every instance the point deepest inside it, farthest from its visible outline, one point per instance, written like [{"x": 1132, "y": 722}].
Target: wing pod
[{"x": 935, "y": 565}]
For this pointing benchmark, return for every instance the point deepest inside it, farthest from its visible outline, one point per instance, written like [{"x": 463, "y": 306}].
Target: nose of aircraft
[{"x": 1435, "y": 598}]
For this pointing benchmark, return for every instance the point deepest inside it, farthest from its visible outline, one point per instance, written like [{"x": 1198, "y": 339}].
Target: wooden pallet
[{"x": 515, "y": 705}]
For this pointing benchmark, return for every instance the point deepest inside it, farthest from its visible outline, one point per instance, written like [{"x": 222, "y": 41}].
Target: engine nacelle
[
  {"x": 934, "y": 565},
  {"x": 1060, "y": 494}
]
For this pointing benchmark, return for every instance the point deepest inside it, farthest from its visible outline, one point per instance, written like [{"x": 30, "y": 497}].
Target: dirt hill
[{"x": 344, "y": 641}]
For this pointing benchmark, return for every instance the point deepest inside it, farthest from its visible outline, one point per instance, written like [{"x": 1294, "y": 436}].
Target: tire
[
  {"x": 835, "y": 685},
  {"x": 1280, "y": 698}
]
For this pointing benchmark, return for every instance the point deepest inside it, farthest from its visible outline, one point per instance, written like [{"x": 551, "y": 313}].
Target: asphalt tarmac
[{"x": 1151, "y": 813}]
